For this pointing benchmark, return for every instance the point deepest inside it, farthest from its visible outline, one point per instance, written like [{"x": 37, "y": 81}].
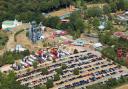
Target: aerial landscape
[{"x": 63, "y": 44}]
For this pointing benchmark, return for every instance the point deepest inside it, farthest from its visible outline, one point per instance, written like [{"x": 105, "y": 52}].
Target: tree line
[
  {"x": 10, "y": 57},
  {"x": 3, "y": 39},
  {"x": 9, "y": 81},
  {"x": 110, "y": 84}
]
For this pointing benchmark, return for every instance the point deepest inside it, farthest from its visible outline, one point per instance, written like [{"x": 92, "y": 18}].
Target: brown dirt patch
[{"x": 123, "y": 87}]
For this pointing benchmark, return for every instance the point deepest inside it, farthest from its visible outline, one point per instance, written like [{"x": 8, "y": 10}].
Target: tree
[
  {"x": 41, "y": 87},
  {"x": 94, "y": 12},
  {"x": 126, "y": 4},
  {"x": 56, "y": 77},
  {"x": 49, "y": 83},
  {"x": 1, "y": 61},
  {"x": 9, "y": 82},
  {"x": 75, "y": 51},
  {"x": 113, "y": 7},
  {"x": 44, "y": 71},
  {"x": 112, "y": 82},
  {"x": 52, "y": 22},
  {"x": 106, "y": 9},
  {"x": 76, "y": 71},
  {"x": 35, "y": 64},
  {"x": 108, "y": 51},
  {"x": 120, "y": 5},
  {"x": 3, "y": 39},
  {"x": 109, "y": 25},
  {"x": 76, "y": 24},
  {"x": 9, "y": 58},
  {"x": 29, "y": 10},
  {"x": 122, "y": 79},
  {"x": 25, "y": 53},
  {"x": 96, "y": 22},
  {"x": 59, "y": 71},
  {"x": 63, "y": 66}
]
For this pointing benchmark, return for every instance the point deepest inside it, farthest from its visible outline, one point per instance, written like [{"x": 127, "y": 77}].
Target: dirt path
[
  {"x": 62, "y": 11},
  {"x": 123, "y": 87},
  {"x": 24, "y": 41},
  {"x": 11, "y": 43}
]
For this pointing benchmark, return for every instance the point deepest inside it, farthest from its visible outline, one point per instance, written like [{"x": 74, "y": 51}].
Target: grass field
[{"x": 62, "y": 11}]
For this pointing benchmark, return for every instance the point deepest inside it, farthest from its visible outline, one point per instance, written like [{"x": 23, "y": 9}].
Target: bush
[
  {"x": 76, "y": 71},
  {"x": 3, "y": 38},
  {"x": 94, "y": 11},
  {"x": 49, "y": 83},
  {"x": 10, "y": 57},
  {"x": 59, "y": 71},
  {"x": 75, "y": 51},
  {"x": 35, "y": 64},
  {"x": 110, "y": 84},
  {"x": 56, "y": 77},
  {"x": 44, "y": 71},
  {"x": 63, "y": 66}
]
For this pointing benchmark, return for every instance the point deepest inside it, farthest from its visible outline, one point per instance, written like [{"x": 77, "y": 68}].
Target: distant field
[
  {"x": 95, "y": 5},
  {"x": 70, "y": 9},
  {"x": 62, "y": 11}
]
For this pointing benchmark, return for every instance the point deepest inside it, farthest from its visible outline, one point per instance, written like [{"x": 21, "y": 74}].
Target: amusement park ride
[
  {"x": 36, "y": 32},
  {"x": 121, "y": 53}
]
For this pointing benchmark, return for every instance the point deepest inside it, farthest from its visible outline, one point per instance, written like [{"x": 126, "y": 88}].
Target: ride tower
[{"x": 35, "y": 32}]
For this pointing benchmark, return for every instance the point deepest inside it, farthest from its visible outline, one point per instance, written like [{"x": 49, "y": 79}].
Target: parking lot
[{"x": 92, "y": 67}]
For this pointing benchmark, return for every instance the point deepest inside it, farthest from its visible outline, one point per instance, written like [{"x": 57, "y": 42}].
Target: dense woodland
[{"x": 28, "y": 10}]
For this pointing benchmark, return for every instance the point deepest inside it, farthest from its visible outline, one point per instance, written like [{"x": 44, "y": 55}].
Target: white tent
[
  {"x": 101, "y": 27},
  {"x": 97, "y": 45}
]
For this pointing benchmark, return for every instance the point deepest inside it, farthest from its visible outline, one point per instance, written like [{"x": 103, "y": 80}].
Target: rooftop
[{"x": 8, "y": 22}]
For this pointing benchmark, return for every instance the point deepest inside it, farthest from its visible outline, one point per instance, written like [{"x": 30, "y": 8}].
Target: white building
[{"x": 8, "y": 25}]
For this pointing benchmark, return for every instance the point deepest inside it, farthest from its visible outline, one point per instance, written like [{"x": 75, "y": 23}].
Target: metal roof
[{"x": 8, "y": 22}]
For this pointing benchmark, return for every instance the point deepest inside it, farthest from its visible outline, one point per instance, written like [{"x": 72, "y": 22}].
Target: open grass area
[
  {"x": 23, "y": 40},
  {"x": 96, "y": 5},
  {"x": 62, "y": 11}
]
